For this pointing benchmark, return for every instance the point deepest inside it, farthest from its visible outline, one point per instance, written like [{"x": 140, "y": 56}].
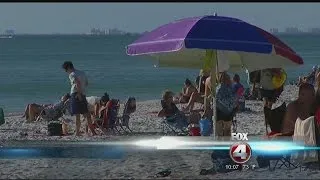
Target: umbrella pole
[{"x": 213, "y": 90}]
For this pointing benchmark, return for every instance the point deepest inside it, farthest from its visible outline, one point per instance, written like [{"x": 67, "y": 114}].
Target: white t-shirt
[
  {"x": 82, "y": 78},
  {"x": 92, "y": 100}
]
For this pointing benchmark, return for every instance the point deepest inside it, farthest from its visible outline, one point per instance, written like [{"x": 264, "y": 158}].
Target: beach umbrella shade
[{"x": 217, "y": 43}]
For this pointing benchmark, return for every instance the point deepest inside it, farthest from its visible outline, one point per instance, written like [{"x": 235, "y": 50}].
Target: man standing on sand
[{"x": 79, "y": 104}]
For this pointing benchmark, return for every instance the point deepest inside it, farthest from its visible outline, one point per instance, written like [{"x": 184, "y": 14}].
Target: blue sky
[{"x": 139, "y": 17}]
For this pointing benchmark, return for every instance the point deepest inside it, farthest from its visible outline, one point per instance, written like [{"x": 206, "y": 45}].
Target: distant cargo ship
[{"x": 6, "y": 36}]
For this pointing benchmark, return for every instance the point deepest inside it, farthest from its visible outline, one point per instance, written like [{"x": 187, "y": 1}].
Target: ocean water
[{"x": 30, "y": 68}]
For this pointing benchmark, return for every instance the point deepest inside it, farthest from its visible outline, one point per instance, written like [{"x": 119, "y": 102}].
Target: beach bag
[
  {"x": 2, "y": 121},
  {"x": 194, "y": 130},
  {"x": 54, "y": 129},
  {"x": 205, "y": 127}
]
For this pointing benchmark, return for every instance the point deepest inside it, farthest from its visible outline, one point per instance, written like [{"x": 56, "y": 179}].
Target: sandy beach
[{"x": 137, "y": 165}]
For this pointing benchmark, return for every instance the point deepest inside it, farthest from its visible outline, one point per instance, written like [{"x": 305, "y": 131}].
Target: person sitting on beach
[
  {"x": 170, "y": 111},
  {"x": 32, "y": 111},
  {"x": 226, "y": 105},
  {"x": 186, "y": 93},
  {"x": 96, "y": 103},
  {"x": 107, "y": 106},
  {"x": 303, "y": 107},
  {"x": 199, "y": 97},
  {"x": 310, "y": 78}
]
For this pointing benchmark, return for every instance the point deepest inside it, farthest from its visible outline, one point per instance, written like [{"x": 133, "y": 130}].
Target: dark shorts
[
  {"x": 77, "y": 106},
  {"x": 223, "y": 116}
]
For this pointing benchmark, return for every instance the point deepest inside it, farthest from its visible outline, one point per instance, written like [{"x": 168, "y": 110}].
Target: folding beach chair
[
  {"x": 274, "y": 119},
  {"x": 175, "y": 125},
  {"x": 108, "y": 118},
  {"x": 129, "y": 108},
  {"x": 315, "y": 163},
  {"x": 171, "y": 127}
]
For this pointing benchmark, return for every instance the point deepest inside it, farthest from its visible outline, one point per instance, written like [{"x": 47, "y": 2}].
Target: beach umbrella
[{"x": 216, "y": 43}]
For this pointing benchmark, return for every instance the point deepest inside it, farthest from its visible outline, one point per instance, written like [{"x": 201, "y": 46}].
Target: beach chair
[
  {"x": 306, "y": 160},
  {"x": 108, "y": 118},
  {"x": 274, "y": 119},
  {"x": 129, "y": 108},
  {"x": 174, "y": 125},
  {"x": 54, "y": 112},
  {"x": 170, "y": 126}
]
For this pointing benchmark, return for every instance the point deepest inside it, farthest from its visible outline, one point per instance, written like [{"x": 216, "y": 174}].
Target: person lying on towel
[{"x": 32, "y": 111}]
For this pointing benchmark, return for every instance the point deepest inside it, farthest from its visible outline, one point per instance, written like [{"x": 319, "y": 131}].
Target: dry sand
[{"x": 137, "y": 165}]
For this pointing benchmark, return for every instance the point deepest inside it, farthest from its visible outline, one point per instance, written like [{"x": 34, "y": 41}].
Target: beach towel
[{"x": 304, "y": 132}]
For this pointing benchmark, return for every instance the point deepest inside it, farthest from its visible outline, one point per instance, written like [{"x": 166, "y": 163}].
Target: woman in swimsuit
[{"x": 186, "y": 93}]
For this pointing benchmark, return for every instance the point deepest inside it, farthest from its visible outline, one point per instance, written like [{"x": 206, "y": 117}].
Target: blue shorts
[{"x": 77, "y": 106}]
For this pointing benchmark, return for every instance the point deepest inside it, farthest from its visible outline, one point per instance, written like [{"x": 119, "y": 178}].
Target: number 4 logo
[{"x": 240, "y": 152}]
